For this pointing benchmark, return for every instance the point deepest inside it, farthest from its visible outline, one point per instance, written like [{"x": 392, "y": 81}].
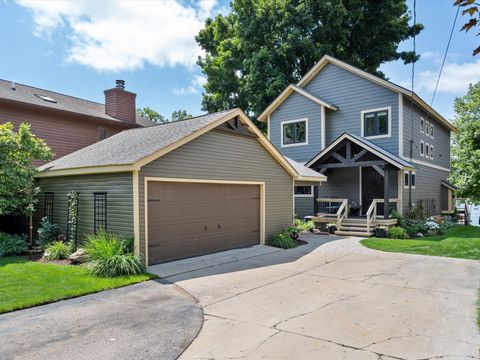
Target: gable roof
[
  {"x": 286, "y": 93},
  {"x": 448, "y": 185},
  {"x": 368, "y": 145},
  {"x": 131, "y": 149},
  {"x": 304, "y": 171},
  {"x": 382, "y": 82},
  {"x": 30, "y": 95}
]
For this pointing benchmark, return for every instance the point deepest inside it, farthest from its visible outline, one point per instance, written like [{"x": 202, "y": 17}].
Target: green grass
[
  {"x": 26, "y": 283},
  {"x": 458, "y": 242}
]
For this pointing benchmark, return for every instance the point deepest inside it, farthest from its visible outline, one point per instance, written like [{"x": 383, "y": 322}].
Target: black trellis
[
  {"x": 48, "y": 206},
  {"x": 99, "y": 211},
  {"x": 72, "y": 217}
]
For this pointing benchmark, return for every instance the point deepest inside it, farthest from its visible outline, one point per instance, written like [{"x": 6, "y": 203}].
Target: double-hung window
[
  {"x": 303, "y": 191},
  {"x": 409, "y": 177},
  {"x": 376, "y": 122},
  {"x": 431, "y": 152},
  {"x": 295, "y": 132},
  {"x": 422, "y": 148},
  {"x": 422, "y": 125},
  {"x": 427, "y": 150},
  {"x": 99, "y": 211}
]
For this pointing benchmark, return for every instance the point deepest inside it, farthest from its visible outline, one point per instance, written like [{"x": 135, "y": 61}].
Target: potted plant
[
  {"x": 354, "y": 208},
  {"x": 294, "y": 232},
  {"x": 332, "y": 227},
  {"x": 381, "y": 231}
]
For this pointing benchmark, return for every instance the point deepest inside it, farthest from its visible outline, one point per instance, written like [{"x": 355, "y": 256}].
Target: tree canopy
[
  {"x": 160, "y": 119},
  {"x": 18, "y": 193},
  {"x": 470, "y": 8},
  {"x": 466, "y": 144},
  {"x": 261, "y": 46}
]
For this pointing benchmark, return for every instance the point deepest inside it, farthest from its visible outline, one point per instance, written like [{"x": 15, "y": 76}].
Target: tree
[
  {"x": 255, "y": 51},
  {"x": 160, "y": 119},
  {"x": 471, "y": 8},
  {"x": 18, "y": 193},
  {"x": 466, "y": 144}
]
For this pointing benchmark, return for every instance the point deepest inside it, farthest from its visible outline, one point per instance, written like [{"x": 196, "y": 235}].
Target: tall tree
[
  {"x": 466, "y": 144},
  {"x": 470, "y": 7},
  {"x": 160, "y": 119},
  {"x": 261, "y": 46},
  {"x": 18, "y": 193},
  {"x": 180, "y": 115}
]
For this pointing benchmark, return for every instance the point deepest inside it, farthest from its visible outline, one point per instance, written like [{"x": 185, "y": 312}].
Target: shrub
[
  {"x": 57, "y": 250},
  {"x": 397, "y": 232},
  {"x": 283, "y": 240},
  {"x": 110, "y": 256},
  {"x": 309, "y": 226},
  {"x": 11, "y": 245},
  {"x": 47, "y": 232}
]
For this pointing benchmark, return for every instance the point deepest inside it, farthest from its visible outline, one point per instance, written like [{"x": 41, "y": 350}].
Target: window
[
  {"x": 427, "y": 127},
  {"x": 48, "y": 206},
  {"x": 422, "y": 148},
  {"x": 376, "y": 122},
  {"x": 303, "y": 191},
  {"x": 295, "y": 132},
  {"x": 431, "y": 131},
  {"x": 431, "y": 152},
  {"x": 427, "y": 150},
  {"x": 407, "y": 177},
  {"x": 102, "y": 133},
  {"x": 422, "y": 125},
  {"x": 99, "y": 211}
]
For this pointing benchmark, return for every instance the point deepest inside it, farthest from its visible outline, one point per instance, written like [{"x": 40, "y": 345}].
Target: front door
[{"x": 372, "y": 188}]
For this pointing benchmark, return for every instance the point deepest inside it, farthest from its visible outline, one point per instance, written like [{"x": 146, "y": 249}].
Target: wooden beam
[
  {"x": 349, "y": 150},
  {"x": 351, "y": 164},
  {"x": 386, "y": 202},
  {"x": 379, "y": 170},
  {"x": 359, "y": 155},
  {"x": 339, "y": 157}
]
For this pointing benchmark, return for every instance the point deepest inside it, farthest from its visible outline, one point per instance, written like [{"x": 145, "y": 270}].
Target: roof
[
  {"x": 449, "y": 185},
  {"x": 286, "y": 93},
  {"x": 366, "y": 144},
  {"x": 382, "y": 82},
  {"x": 131, "y": 149},
  {"x": 304, "y": 171},
  {"x": 52, "y": 100}
]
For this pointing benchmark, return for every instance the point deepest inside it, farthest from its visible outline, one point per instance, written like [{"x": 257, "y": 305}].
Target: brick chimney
[{"x": 120, "y": 103}]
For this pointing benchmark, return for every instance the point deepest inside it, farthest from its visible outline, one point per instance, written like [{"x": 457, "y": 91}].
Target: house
[
  {"x": 379, "y": 144},
  {"x": 65, "y": 122},
  {"x": 181, "y": 189}
]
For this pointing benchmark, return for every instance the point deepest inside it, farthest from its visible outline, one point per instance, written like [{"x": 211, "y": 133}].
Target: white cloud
[
  {"x": 455, "y": 77},
  {"x": 124, "y": 35},
  {"x": 195, "y": 86}
]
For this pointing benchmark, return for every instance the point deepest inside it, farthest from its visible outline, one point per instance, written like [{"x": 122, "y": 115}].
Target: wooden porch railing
[
  {"x": 329, "y": 206},
  {"x": 373, "y": 210},
  {"x": 342, "y": 213}
]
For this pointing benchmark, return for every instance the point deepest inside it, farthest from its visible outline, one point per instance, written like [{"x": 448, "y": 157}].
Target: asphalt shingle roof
[
  {"x": 302, "y": 170},
  {"x": 129, "y": 146},
  {"x": 32, "y": 95}
]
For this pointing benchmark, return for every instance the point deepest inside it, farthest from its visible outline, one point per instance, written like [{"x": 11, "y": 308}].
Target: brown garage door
[{"x": 189, "y": 219}]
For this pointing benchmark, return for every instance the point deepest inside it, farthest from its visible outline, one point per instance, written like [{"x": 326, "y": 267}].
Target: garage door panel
[{"x": 188, "y": 219}]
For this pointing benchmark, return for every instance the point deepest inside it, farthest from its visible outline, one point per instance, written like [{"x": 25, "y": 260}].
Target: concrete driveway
[
  {"x": 334, "y": 301},
  {"x": 150, "y": 320}
]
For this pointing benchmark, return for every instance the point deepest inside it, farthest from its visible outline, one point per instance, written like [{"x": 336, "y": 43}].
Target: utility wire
[
  {"x": 445, "y": 55},
  {"x": 411, "y": 103}
]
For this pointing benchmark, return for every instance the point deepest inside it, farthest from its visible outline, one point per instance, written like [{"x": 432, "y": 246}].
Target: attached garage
[{"x": 197, "y": 186}]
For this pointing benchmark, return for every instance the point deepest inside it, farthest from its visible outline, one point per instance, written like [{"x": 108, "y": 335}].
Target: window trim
[
  {"x": 431, "y": 151},
  {"x": 303, "y": 195},
  {"x": 362, "y": 122},
  {"x": 95, "y": 214},
  {"x": 431, "y": 131},
  {"x": 405, "y": 183},
  {"x": 427, "y": 150},
  {"x": 422, "y": 148},
  {"x": 422, "y": 125},
  {"x": 305, "y": 120},
  {"x": 427, "y": 124}
]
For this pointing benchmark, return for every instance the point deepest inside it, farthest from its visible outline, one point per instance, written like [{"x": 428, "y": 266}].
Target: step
[
  {"x": 354, "y": 233},
  {"x": 353, "y": 228},
  {"x": 350, "y": 223}
]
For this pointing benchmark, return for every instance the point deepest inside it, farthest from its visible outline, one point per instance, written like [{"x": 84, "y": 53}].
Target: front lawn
[
  {"x": 25, "y": 283},
  {"x": 458, "y": 242}
]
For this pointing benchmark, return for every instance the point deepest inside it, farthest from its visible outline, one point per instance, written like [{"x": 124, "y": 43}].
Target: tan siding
[
  {"x": 119, "y": 201},
  {"x": 221, "y": 156}
]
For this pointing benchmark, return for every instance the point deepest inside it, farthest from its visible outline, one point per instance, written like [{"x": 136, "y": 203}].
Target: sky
[{"x": 81, "y": 47}]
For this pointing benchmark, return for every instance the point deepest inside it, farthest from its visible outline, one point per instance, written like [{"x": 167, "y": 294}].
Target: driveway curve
[
  {"x": 150, "y": 320},
  {"x": 330, "y": 300}
]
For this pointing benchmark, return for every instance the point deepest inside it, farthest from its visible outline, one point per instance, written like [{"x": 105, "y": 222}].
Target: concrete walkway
[
  {"x": 334, "y": 301},
  {"x": 149, "y": 320}
]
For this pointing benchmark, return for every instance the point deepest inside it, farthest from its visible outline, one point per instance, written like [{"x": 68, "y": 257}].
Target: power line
[
  {"x": 445, "y": 55},
  {"x": 411, "y": 102}
]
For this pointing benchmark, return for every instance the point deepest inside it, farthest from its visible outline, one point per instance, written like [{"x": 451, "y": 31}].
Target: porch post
[
  {"x": 385, "y": 193},
  {"x": 315, "y": 202}
]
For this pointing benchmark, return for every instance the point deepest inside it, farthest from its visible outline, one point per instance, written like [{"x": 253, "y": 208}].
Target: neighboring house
[
  {"x": 65, "y": 122},
  {"x": 181, "y": 189},
  {"x": 360, "y": 131}
]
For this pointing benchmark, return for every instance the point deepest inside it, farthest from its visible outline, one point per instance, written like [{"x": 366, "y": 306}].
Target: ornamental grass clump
[
  {"x": 57, "y": 250},
  {"x": 283, "y": 240},
  {"x": 110, "y": 256}
]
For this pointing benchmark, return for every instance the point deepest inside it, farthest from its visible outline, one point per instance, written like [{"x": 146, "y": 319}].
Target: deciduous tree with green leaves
[
  {"x": 466, "y": 144},
  {"x": 160, "y": 119},
  {"x": 18, "y": 193},
  {"x": 261, "y": 46},
  {"x": 471, "y": 8}
]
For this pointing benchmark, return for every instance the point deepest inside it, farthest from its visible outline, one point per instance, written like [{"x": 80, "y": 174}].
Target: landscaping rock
[
  {"x": 419, "y": 235},
  {"x": 78, "y": 256}
]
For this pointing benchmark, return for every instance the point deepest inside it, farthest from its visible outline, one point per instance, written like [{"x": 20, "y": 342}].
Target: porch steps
[
  {"x": 354, "y": 227},
  {"x": 354, "y": 233}
]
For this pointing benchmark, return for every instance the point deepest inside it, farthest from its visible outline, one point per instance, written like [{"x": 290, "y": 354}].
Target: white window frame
[
  {"x": 362, "y": 120},
  {"x": 305, "y": 120},
  {"x": 427, "y": 146},
  {"x": 405, "y": 184},
  {"x": 431, "y": 130},
  {"x": 422, "y": 125},
  {"x": 422, "y": 148},
  {"x": 428, "y": 128},
  {"x": 431, "y": 151},
  {"x": 304, "y": 195}
]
